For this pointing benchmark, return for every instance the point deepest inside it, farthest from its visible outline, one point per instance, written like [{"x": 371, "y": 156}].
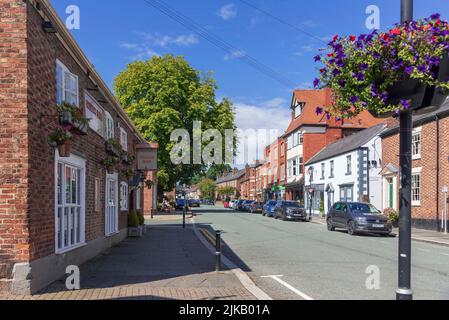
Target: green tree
[
  {"x": 207, "y": 188},
  {"x": 226, "y": 191},
  {"x": 164, "y": 94}
]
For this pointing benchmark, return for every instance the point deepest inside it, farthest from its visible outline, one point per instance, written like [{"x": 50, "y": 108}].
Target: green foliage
[
  {"x": 133, "y": 220},
  {"x": 59, "y": 136},
  {"x": 207, "y": 188},
  {"x": 392, "y": 215},
  {"x": 164, "y": 94},
  {"x": 226, "y": 191},
  {"x": 141, "y": 218},
  {"x": 76, "y": 113}
]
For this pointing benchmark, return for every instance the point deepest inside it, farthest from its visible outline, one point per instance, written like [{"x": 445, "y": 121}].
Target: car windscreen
[
  {"x": 363, "y": 208},
  {"x": 291, "y": 204}
]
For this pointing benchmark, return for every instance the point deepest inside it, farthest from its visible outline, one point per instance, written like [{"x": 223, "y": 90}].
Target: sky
[{"x": 280, "y": 37}]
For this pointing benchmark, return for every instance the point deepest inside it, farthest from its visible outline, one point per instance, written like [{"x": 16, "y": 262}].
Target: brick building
[
  {"x": 430, "y": 168},
  {"x": 309, "y": 133},
  {"x": 231, "y": 179},
  {"x": 56, "y": 211}
]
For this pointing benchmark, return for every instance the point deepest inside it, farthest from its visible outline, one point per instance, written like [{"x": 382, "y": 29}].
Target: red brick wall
[
  {"x": 13, "y": 137},
  {"x": 44, "y": 50},
  {"x": 425, "y": 215}
]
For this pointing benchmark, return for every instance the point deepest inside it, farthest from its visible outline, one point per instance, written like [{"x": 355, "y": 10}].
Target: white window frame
[
  {"x": 80, "y": 164},
  {"x": 416, "y": 172},
  {"x": 124, "y": 196},
  {"x": 109, "y": 126},
  {"x": 139, "y": 197},
  {"x": 416, "y": 152},
  {"x": 109, "y": 231},
  {"x": 63, "y": 89},
  {"x": 124, "y": 139}
]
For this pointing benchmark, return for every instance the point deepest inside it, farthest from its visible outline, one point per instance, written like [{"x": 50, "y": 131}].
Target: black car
[
  {"x": 290, "y": 210},
  {"x": 358, "y": 217}
]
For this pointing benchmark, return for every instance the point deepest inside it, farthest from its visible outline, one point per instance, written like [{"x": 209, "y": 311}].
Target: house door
[
  {"x": 111, "y": 212},
  {"x": 390, "y": 192}
]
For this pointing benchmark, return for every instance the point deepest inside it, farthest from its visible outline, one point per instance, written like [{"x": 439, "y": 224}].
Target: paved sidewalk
[
  {"x": 421, "y": 235},
  {"x": 167, "y": 263}
]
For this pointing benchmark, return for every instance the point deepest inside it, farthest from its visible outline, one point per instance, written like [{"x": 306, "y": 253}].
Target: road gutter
[{"x": 244, "y": 279}]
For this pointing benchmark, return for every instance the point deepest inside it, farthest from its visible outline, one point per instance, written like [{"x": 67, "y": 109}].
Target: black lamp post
[{"x": 404, "y": 291}]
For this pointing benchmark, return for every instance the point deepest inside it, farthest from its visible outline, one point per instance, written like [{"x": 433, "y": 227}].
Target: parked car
[
  {"x": 226, "y": 204},
  {"x": 232, "y": 204},
  {"x": 194, "y": 203},
  {"x": 247, "y": 204},
  {"x": 256, "y": 207},
  {"x": 239, "y": 206},
  {"x": 290, "y": 210},
  {"x": 358, "y": 217},
  {"x": 209, "y": 202},
  {"x": 181, "y": 203},
  {"x": 268, "y": 208}
]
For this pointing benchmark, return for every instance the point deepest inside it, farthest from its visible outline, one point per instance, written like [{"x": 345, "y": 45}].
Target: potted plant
[
  {"x": 72, "y": 117},
  {"x": 128, "y": 173},
  {"x": 149, "y": 183},
  {"x": 142, "y": 225},
  {"x": 110, "y": 164},
  {"x": 61, "y": 138},
  {"x": 406, "y": 68},
  {"x": 134, "y": 229},
  {"x": 127, "y": 158},
  {"x": 322, "y": 209},
  {"x": 393, "y": 216},
  {"x": 113, "y": 147}
]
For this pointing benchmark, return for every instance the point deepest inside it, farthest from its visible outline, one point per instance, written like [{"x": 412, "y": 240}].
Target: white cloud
[
  {"x": 267, "y": 120},
  {"x": 227, "y": 12},
  {"x": 236, "y": 54},
  {"x": 150, "y": 41}
]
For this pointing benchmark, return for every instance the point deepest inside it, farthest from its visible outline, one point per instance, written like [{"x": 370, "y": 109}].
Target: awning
[
  {"x": 296, "y": 183},
  {"x": 389, "y": 169}
]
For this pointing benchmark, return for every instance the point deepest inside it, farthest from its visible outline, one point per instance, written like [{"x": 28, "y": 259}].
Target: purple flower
[
  {"x": 384, "y": 97},
  {"x": 338, "y": 119},
  {"x": 363, "y": 66},
  {"x": 373, "y": 91},
  {"x": 423, "y": 68},
  {"x": 336, "y": 72},
  {"x": 409, "y": 69},
  {"x": 360, "y": 76},
  {"x": 435, "y": 16},
  {"x": 354, "y": 99},
  {"x": 405, "y": 103},
  {"x": 364, "y": 104},
  {"x": 317, "y": 58},
  {"x": 319, "y": 111},
  {"x": 328, "y": 116},
  {"x": 316, "y": 82},
  {"x": 342, "y": 83}
]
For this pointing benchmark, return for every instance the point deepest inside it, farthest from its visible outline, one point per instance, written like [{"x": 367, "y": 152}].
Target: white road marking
[
  {"x": 423, "y": 250},
  {"x": 288, "y": 286},
  {"x": 445, "y": 254}
]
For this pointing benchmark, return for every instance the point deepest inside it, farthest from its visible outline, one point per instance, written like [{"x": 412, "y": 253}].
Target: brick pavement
[{"x": 167, "y": 263}]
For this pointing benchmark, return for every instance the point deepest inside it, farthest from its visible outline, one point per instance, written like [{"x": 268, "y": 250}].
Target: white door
[{"x": 111, "y": 212}]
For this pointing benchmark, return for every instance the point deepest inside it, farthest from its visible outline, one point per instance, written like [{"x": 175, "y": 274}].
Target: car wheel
[
  {"x": 330, "y": 226},
  {"x": 351, "y": 228}
]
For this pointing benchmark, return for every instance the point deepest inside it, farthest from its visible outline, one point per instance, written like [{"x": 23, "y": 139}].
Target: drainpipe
[{"x": 437, "y": 120}]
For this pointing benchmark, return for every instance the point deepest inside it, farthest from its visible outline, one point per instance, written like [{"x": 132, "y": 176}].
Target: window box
[
  {"x": 127, "y": 158},
  {"x": 71, "y": 117},
  {"x": 113, "y": 148}
]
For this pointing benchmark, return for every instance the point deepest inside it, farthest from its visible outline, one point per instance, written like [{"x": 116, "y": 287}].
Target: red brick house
[
  {"x": 56, "y": 211},
  {"x": 308, "y": 133},
  {"x": 430, "y": 168}
]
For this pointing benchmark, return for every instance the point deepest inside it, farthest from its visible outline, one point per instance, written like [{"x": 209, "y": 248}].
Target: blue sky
[{"x": 114, "y": 33}]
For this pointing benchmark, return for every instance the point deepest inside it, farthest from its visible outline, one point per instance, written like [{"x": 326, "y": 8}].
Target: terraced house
[{"x": 64, "y": 202}]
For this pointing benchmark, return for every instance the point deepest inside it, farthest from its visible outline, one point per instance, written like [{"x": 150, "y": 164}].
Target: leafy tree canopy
[
  {"x": 207, "y": 188},
  {"x": 164, "y": 94}
]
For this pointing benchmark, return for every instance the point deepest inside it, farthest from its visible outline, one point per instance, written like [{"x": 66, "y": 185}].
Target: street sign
[{"x": 146, "y": 159}]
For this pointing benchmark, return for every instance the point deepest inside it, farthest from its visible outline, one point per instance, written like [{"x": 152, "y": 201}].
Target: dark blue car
[
  {"x": 181, "y": 203},
  {"x": 268, "y": 208}
]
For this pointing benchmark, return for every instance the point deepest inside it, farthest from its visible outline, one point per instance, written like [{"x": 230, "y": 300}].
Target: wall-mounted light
[{"x": 49, "y": 27}]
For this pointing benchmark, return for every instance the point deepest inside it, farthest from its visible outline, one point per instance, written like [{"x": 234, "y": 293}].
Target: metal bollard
[
  {"x": 184, "y": 217},
  {"x": 218, "y": 250}
]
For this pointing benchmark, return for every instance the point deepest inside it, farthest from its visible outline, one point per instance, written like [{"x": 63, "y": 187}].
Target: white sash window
[
  {"x": 111, "y": 210},
  {"x": 66, "y": 85},
  {"x": 69, "y": 203}
]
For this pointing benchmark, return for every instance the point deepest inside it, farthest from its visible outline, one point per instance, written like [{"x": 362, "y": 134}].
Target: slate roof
[
  {"x": 231, "y": 176},
  {"x": 443, "y": 111},
  {"x": 347, "y": 144}
]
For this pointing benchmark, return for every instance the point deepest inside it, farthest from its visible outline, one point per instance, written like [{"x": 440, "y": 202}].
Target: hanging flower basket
[
  {"x": 406, "y": 68},
  {"x": 65, "y": 149},
  {"x": 113, "y": 148},
  {"x": 110, "y": 163},
  {"x": 72, "y": 118}
]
